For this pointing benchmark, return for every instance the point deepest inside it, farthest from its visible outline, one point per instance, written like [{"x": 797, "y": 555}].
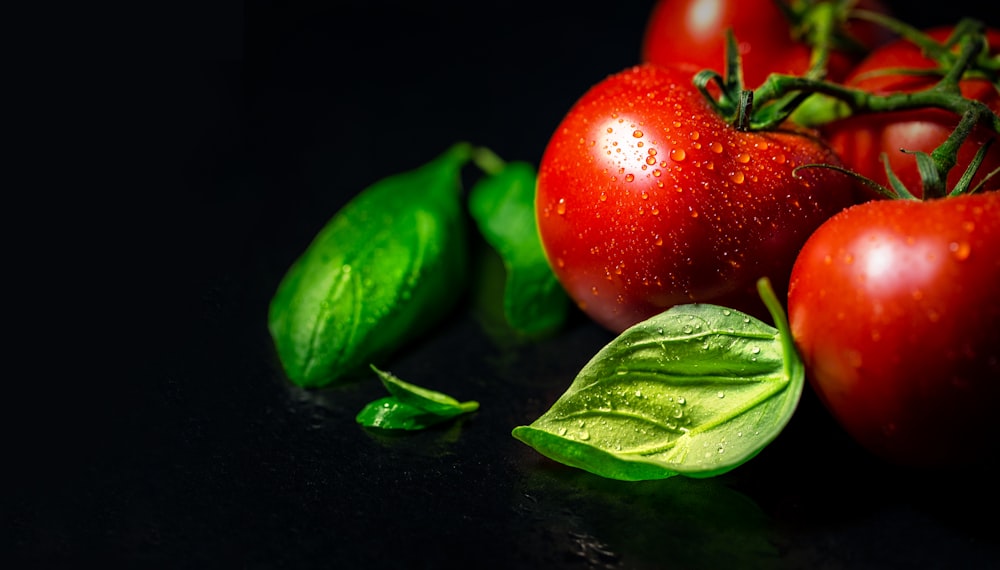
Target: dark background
[{"x": 189, "y": 156}]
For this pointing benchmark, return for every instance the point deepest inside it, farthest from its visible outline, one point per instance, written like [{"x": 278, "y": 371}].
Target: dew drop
[
  {"x": 678, "y": 154},
  {"x": 637, "y": 134},
  {"x": 604, "y": 197},
  {"x": 562, "y": 431},
  {"x": 960, "y": 250},
  {"x": 743, "y": 157},
  {"x": 716, "y": 147},
  {"x": 629, "y": 177},
  {"x": 720, "y": 394},
  {"x": 737, "y": 177},
  {"x": 561, "y": 206}
]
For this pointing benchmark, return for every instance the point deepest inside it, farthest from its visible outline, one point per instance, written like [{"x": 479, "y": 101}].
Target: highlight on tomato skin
[
  {"x": 646, "y": 199},
  {"x": 893, "y": 306}
]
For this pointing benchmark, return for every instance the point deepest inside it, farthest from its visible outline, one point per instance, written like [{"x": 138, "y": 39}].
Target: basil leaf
[
  {"x": 503, "y": 206},
  {"x": 387, "y": 266},
  {"x": 428, "y": 400},
  {"x": 410, "y": 407},
  {"x": 390, "y": 413},
  {"x": 696, "y": 390}
]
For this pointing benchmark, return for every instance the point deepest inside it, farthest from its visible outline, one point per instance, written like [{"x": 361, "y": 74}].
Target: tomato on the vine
[
  {"x": 894, "y": 307},
  {"x": 693, "y": 31},
  {"x": 861, "y": 139},
  {"x": 646, "y": 198}
]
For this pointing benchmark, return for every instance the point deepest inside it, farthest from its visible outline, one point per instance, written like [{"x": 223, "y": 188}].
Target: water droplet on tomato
[
  {"x": 743, "y": 157},
  {"x": 561, "y": 206},
  {"x": 779, "y": 158},
  {"x": 637, "y": 134},
  {"x": 678, "y": 154},
  {"x": 629, "y": 177},
  {"x": 737, "y": 177},
  {"x": 716, "y": 147},
  {"x": 960, "y": 250}
]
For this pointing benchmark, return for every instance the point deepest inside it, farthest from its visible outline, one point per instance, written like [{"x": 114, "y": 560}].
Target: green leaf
[
  {"x": 696, "y": 390},
  {"x": 387, "y": 266},
  {"x": 503, "y": 207},
  {"x": 390, "y": 413},
  {"x": 410, "y": 407},
  {"x": 428, "y": 400}
]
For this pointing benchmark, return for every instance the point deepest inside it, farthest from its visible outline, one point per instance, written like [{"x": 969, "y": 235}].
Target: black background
[{"x": 189, "y": 156}]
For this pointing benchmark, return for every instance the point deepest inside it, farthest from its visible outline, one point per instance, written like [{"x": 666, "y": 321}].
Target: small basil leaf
[
  {"x": 390, "y": 413},
  {"x": 388, "y": 265},
  {"x": 503, "y": 206},
  {"x": 429, "y": 401},
  {"x": 696, "y": 390}
]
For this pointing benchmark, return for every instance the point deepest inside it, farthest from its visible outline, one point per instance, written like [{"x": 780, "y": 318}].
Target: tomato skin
[
  {"x": 859, "y": 140},
  {"x": 693, "y": 31},
  {"x": 646, "y": 199},
  {"x": 894, "y": 307}
]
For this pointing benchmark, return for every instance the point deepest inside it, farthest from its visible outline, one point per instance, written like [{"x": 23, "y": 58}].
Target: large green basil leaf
[
  {"x": 390, "y": 264},
  {"x": 503, "y": 207},
  {"x": 696, "y": 390}
]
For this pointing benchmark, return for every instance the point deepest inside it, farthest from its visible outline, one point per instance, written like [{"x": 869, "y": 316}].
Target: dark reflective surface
[{"x": 177, "y": 442}]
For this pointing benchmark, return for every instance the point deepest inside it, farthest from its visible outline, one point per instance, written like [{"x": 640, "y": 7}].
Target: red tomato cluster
[
  {"x": 647, "y": 197},
  {"x": 693, "y": 31}
]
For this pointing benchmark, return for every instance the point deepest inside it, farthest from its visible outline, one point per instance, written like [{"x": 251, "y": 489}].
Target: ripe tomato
[
  {"x": 894, "y": 307},
  {"x": 693, "y": 31},
  {"x": 646, "y": 199},
  {"x": 859, "y": 140}
]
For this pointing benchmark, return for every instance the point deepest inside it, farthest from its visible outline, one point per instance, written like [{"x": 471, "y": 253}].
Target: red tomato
[
  {"x": 693, "y": 31},
  {"x": 646, "y": 199},
  {"x": 859, "y": 140},
  {"x": 895, "y": 309}
]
